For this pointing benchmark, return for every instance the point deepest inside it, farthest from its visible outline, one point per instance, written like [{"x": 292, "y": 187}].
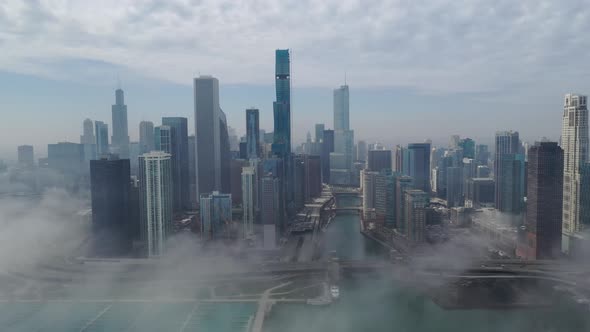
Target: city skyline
[{"x": 512, "y": 77}]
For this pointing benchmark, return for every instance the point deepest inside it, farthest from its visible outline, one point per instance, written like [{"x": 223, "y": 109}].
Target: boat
[{"x": 335, "y": 292}]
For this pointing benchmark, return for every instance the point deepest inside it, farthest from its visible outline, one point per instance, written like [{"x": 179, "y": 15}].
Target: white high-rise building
[
  {"x": 155, "y": 185},
  {"x": 574, "y": 142},
  {"x": 343, "y": 137},
  {"x": 249, "y": 192}
]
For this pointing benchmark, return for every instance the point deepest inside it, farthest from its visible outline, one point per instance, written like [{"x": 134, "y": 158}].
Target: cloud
[{"x": 437, "y": 46}]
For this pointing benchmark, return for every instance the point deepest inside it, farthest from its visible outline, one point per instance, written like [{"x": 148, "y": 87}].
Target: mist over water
[{"x": 376, "y": 303}]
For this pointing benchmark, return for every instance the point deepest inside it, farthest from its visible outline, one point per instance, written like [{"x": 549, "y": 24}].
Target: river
[{"x": 374, "y": 304}]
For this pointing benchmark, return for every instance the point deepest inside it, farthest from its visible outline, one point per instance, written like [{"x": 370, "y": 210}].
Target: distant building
[
  {"x": 270, "y": 210},
  {"x": 483, "y": 171},
  {"x": 575, "y": 143},
  {"x": 110, "y": 190},
  {"x": 482, "y": 155},
  {"x": 508, "y": 172},
  {"x": 313, "y": 177},
  {"x": 415, "y": 209},
  {"x": 26, "y": 156},
  {"x": 253, "y": 149},
  {"x": 319, "y": 132},
  {"x": 362, "y": 151},
  {"x": 419, "y": 165},
  {"x": 468, "y": 146},
  {"x": 379, "y": 160},
  {"x": 102, "y": 137},
  {"x": 66, "y": 157},
  {"x": 87, "y": 136},
  {"x": 343, "y": 137},
  {"x": 120, "y": 139},
  {"x": 192, "y": 173},
  {"x": 216, "y": 215},
  {"x": 327, "y": 149},
  {"x": 454, "y": 187},
  {"x": 368, "y": 179},
  {"x": 385, "y": 197},
  {"x": 249, "y": 200},
  {"x": 402, "y": 184},
  {"x": 163, "y": 137},
  {"x": 156, "y": 195},
  {"x": 480, "y": 191},
  {"x": 180, "y": 162},
  {"x": 544, "y": 201},
  {"x": 236, "y": 180},
  {"x": 146, "y": 137}
]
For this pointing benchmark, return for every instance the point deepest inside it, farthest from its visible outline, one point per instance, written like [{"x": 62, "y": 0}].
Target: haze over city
[
  {"x": 405, "y": 63},
  {"x": 262, "y": 166}
]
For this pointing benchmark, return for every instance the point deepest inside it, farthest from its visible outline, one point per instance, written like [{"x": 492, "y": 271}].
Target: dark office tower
[
  {"x": 146, "y": 136},
  {"x": 419, "y": 165},
  {"x": 544, "y": 201},
  {"x": 313, "y": 177},
  {"x": 192, "y": 173},
  {"x": 120, "y": 139},
  {"x": 479, "y": 191},
  {"x": 102, "y": 137},
  {"x": 399, "y": 159},
  {"x": 454, "y": 182},
  {"x": 319, "y": 132},
  {"x": 208, "y": 134},
  {"x": 482, "y": 155},
  {"x": 270, "y": 210},
  {"x": 180, "y": 160},
  {"x": 402, "y": 184},
  {"x": 282, "y": 106},
  {"x": 468, "y": 146},
  {"x": 236, "y": 180},
  {"x": 361, "y": 151},
  {"x": 110, "y": 188},
  {"x": 243, "y": 154},
  {"x": 327, "y": 148},
  {"x": 26, "y": 156},
  {"x": 225, "y": 154},
  {"x": 253, "y": 133},
  {"x": 378, "y": 160},
  {"x": 508, "y": 172},
  {"x": 298, "y": 181},
  {"x": 163, "y": 139}
]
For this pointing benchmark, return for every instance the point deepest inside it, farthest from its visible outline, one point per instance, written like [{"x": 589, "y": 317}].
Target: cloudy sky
[{"x": 416, "y": 69}]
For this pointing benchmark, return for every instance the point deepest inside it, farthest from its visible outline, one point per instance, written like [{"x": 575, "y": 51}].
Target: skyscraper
[
  {"x": 402, "y": 184},
  {"x": 368, "y": 181},
  {"x": 319, "y": 132},
  {"x": 192, "y": 172},
  {"x": 163, "y": 139},
  {"x": 237, "y": 166},
  {"x": 419, "y": 165},
  {"x": 110, "y": 187},
  {"x": 313, "y": 177},
  {"x": 416, "y": 203},
  {"x": 270, "y": 210},
  {"x": 454, "y": 192},
  {"x": 282, "y": 105},
  {"x": 574, "y": 142},
  {"x": 481, "y": 154},
  {"x": 180, "y": 162},
  {"x": 66, "y": 157},
  {"x": 468, "y": 146},
  {"x": 26, "y": 156},
  {"x": 216, "y": 218},
  {"x": 120, "y": 139},
  {"x": 155, "y": 189},
  {"x": 343, "y": 138},
  {"x": 249, "y": 195},
  {"x": 378, "y": 160},
  {"x": 544, "y": 201},
  {"x": 508, "y": 172},
  {"x": 385, "y": 197},
  {"x": 102, "y": 137},
  {"x": 327, "y": 148},
  {"x": 361, "y": 151},
  {"x": 146, "y": 136},
  {"x": 87, "y": 136},
  {"x": 208, "y": 134},
  {"x": 253, "y": 133}
]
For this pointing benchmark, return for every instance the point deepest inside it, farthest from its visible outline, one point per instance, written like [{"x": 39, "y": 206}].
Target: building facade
[
  {"x": 253, "y": 149},
  {"x": 120, "y": 139},
  {"x": 216, "y": 215},
  {"x": 146, "y": 137},
  {"x": 180, "y": 160}
]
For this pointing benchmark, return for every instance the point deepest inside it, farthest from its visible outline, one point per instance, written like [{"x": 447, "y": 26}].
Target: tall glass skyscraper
[
  {"x": 252, "y": 133},
  {"x": 120, "y": 139},
  {"x": 179, "y": 160},
  {"x": 343, "y": 139},
  {"x": 282, "y": 106},
  {"x": 419, "y": 165},
  {"x": 509, "y": 172},
  {"x": 102, "y": 137},
  {"x": 146, "y": 136}
]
